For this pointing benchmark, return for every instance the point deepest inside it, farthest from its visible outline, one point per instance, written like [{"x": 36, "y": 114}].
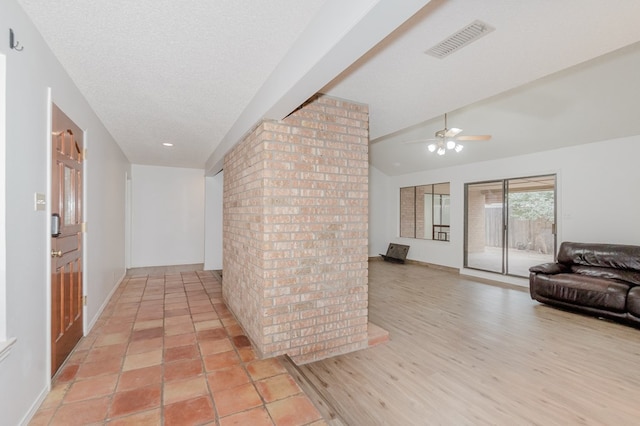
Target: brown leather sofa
[{"x": 598, "y": 279}]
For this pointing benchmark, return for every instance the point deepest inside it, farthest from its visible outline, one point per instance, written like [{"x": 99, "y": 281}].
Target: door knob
[{"x": 56, "y": 253}]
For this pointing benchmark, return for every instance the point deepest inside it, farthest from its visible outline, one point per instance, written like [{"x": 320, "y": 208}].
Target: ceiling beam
[{"x": 338, "y": 35}]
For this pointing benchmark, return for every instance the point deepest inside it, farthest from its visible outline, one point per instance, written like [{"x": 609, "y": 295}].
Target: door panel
[
  {"x": 484, "y": 226},
  {"x": 510, "y": 224},
  {"x": 68, "y": 243},
  {"x": 66, "y": 248},
  {"x": 531, "y": 220}
]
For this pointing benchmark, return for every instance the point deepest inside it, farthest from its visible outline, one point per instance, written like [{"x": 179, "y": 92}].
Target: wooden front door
[{"x": 66, "y": 247}]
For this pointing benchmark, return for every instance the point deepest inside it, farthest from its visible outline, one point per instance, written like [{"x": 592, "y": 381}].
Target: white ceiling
[{"x": 201, "y": 73}]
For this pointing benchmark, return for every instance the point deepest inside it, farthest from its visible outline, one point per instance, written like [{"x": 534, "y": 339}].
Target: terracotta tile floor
[{"x": 167, "y": 351}]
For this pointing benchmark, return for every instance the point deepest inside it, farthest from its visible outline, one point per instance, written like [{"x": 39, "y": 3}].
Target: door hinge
[
  {"x": 83, "y": 227},
  {"x": 84, "y": 300}
]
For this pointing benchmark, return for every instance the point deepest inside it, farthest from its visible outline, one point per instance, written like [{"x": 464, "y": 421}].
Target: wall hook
[{"x": 15, "y": 45}]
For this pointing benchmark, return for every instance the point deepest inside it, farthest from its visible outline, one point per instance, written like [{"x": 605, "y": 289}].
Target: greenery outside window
[{"x": 510, "y": 224}]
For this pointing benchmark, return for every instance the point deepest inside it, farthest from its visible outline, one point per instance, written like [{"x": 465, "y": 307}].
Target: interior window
[{"x": 425, "y": 212}]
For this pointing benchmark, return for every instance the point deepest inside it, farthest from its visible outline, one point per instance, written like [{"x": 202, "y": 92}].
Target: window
[
  {"x": 510, "y": 224},
  {"x": 425, "y": 212}
]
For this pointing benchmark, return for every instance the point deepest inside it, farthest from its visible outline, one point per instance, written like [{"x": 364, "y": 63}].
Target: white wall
[
  {"x": 3, "y": 239},
  {"x": 597, "y": 196},
  {"x": 24, "y": 374},
  {"x": 213, "y": 222},
  {"x": 106, "y": 169},
  {"x": 167, "y": 217},
  {"x": 380, "y": 209}
]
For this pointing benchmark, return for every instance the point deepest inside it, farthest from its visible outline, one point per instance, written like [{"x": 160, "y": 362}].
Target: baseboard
[
  {"x": 520, "y": 285},
  {"x": 217, "y": 273},
  {"x": 433, "y": 266},
  {"x": 5, "y": 347},
  {"x": 495, "y": 283},
  {"x": 104, "y": 304},
  {"x": 165, "y": 269},
  {"x": 34, "y": 407},
  {"x": 420, "y": 263}
]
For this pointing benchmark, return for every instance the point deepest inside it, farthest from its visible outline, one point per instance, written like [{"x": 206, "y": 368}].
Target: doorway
[
  {"x": 67, "y": 155},
  {"x": 510, "y": 224}
]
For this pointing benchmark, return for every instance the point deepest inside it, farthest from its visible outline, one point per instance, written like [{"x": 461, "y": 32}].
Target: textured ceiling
[
  {"x": 178, "y": 71},
  {"x": 198, "y": 73}
]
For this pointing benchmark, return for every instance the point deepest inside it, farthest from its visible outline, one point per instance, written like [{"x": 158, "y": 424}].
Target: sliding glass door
[
  {"x": 510, "y": 224},
  {"x": 484, "y": 236}
]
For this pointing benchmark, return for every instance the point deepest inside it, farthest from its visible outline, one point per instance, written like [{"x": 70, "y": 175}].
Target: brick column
[
  {"x": 422, "y": 230},
  {"x": 408, "y": 212},
  {"x": 476, "y": 226},
  {"x": 295, "y": 231}
]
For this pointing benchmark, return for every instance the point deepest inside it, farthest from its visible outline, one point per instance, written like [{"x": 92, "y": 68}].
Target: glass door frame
[{"x": 504, "y": 237}]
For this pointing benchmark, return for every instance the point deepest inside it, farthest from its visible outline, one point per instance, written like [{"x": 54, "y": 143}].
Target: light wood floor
[{"x": 467, "y": 353}]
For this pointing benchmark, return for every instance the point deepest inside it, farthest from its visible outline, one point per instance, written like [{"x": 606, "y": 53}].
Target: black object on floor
[{"x": 396, "y": 253}]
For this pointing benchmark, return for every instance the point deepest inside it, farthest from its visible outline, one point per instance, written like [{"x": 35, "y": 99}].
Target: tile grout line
[{"x": 192, "y": 294}]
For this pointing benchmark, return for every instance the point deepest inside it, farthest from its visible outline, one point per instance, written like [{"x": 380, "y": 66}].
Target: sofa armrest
[{"x": 549, "y": 268}]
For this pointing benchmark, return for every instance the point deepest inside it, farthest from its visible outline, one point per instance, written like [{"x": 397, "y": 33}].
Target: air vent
[{"x": 461, "y": 38}]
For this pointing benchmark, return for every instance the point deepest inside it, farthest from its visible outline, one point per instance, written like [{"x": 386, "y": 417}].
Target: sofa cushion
[
  {"x": 632, "y": 277},
  {"x": 550, "y": 268},
  {"x": 616, "y": 256},
  {"x": 583, "y": 290},
  {"x": 633, "y": 301}
]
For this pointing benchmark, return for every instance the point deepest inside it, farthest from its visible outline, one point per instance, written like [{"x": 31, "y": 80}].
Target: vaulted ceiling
[{"x": 200, "y": 74}]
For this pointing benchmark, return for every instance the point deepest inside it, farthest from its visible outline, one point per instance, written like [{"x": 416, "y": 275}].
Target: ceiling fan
[{"x": 447, "y": 139}]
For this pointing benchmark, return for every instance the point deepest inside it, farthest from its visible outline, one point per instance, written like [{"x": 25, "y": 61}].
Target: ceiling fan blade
[
  {"x": 421, "y": 141},
  {"x": 452, "y": 132},
  {"x": 474, "y": 138}
]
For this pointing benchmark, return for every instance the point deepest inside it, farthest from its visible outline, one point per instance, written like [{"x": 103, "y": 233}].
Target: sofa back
[{"x": 616, "y": 256}]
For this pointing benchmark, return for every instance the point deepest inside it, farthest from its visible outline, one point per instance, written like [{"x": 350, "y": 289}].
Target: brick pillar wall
[
  {"x": 422, "y": 230},
  {"x": 408, "y": 212},
  {"x": 243, "y": 226},
  {"x": 295, "y": 231},
  {"x": 476, "y": 221}
]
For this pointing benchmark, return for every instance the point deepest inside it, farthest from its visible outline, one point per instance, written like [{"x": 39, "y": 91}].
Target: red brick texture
[
  {"x": 476, "y": 240},
  {"x": 295, "y": 231},
  {"x": 408, "y": 212}
]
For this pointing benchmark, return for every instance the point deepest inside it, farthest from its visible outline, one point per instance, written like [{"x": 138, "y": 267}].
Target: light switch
[{"x": 40, "y": 202}]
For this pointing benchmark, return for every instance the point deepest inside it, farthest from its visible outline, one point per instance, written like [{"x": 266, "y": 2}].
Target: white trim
[
  {"x": 47, "y": 236},
  {"x": 86, "y": 227},
  {"x": 3, "y": 199},
  {"x": 5, "y": 348},
  {"x": 104, "y": 305},
  {"x": 495, "y": 276},
  {"x": 35, "y": 406}
]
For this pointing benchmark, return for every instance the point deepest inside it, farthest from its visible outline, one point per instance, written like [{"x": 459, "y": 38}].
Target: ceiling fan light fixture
[{"x": 447, "y": 140}]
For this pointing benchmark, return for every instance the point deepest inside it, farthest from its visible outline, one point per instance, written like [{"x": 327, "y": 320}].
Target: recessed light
[{"x": 167, "y": 144}]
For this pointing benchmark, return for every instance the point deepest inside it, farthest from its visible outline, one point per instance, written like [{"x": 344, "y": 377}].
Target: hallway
[{"x": 167, "y": 351}]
